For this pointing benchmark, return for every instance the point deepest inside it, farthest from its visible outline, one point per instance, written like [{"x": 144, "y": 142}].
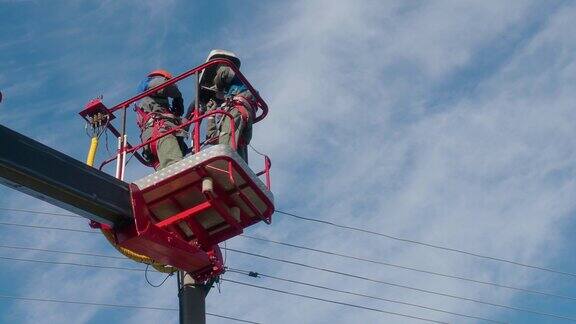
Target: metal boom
[{"x": 37, "y": 170}]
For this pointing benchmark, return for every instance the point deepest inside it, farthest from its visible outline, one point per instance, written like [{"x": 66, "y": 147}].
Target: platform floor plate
[{"x": 177, "y": 188}]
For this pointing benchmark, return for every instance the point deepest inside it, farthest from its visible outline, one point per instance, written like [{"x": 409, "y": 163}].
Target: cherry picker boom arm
[
  {"x": 175, "y": 216},
  {"x": 37, "y": 170}
]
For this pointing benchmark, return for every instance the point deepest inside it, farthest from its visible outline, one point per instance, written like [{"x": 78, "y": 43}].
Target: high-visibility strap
[
  {"x": 156, "y": 131},
  {"x": 243, "y": 107}
]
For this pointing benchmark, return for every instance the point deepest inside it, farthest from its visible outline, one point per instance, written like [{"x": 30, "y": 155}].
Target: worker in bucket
[
  {"x": 221, "y": 89},
  {"x": 240, "y": 103},
  {"x": 155, "y": 116}
]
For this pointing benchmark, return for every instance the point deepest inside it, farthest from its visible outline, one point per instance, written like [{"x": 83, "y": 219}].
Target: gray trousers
[
  {"x": 169, "y": 151},
  {"x": 243, "y": 130}
]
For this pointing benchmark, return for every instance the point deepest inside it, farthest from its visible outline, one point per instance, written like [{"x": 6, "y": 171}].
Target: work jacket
[{"x": 158, "y": 111}]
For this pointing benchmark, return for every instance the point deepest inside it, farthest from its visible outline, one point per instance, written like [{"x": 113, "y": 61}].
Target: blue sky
[{"x": 446, "y": 122}]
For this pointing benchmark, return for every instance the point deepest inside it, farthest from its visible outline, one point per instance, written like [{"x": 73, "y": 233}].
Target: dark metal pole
[{"x": 192, "y": 298}]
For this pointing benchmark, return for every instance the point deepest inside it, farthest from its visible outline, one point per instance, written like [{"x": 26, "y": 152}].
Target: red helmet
[{"x": 162, "y": 73}]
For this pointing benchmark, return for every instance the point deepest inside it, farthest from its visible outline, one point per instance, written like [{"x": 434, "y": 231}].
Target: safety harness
[
  {"x": 156, "y": 121},
  {"x": 244, "y": 107}
]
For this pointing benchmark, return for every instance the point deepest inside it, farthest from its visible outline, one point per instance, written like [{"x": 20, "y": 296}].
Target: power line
[
  {"x": 72, "y": 264},
  {"x": 333, "y": 271},
  {"x": 332, "y": 301},
  {"x": 320, "y": 251},
  {"x": 365, "y": 231},
  {"x": 230, "y": 270},
  {"x": 39, "y": 212},
  {"x": 404, "y": 286},
  {"x": 258, "y": 274},
  {"x": 244, "y": 272},
  {"x": 63, "y": 252},
  {"x": 409, "y": 268},
  {"x": 281, "y": 291},
  {"x": 61, "y": 301},
  {"x": 303, "y": 265},
  {"x": 48, "y": 227},
  {"x": 239, "y": 271},
  {"x": 430, "y": 245}
]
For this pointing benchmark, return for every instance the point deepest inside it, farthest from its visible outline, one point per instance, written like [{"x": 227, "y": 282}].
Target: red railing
[
  {"x": 127, "y": 148},
  {"x": 221, "y": 61},
  {"x": 132, "y": 149}
]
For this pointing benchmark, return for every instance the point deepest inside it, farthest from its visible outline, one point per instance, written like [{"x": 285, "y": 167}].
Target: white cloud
[{"x": 353, "y": 139}]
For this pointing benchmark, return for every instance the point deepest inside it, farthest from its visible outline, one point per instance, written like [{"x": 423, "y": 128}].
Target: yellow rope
[
  {"x": 110, "y": 236},
  {"x": 136, "y": 256}
]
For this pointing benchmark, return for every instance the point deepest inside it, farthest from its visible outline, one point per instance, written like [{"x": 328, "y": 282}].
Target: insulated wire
[
  {"x": 73, "y": 264},
  {"x": 64, "y": 252},
  {"x": 404, "y": 286},
  {"x": 320, "y": 269},
  {"x": 365, "y": 231},
  {"x": 62, "y": 301},
  {"x": 276, "y": 290},
  {"x": 49, "y": 227},
  {"x": 333, "y": 301},
  {"x": 337, "y": 254},
  {"x": 410, "y": 268},
  {"x": 40, "y": 212},
  {"x": 316, "y": 250},
  {"x": 258, "y": 274},
  {"x": 430, "y": 245},
  {"x": 150, "y": 283}
]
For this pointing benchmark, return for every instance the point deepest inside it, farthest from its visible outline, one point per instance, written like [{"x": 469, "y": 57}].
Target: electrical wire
[
  {"x": 225, "y": 251},
  {"x": 96, "y": 266},
  {"x": 161, "y": 283},
  {"x": 329, "y": 253},
  {"x": 256, "y": 151},
  {"x": 246, "y": 273},
  {"x": 339, "y": 255},
  {"x": 430, "y": 245},
  {"x": 107, "y": 143},
  {"x": 40, "y": 212},
  {"x": 334, "y": 302},
  {"x": 357, "y": 229},
  {"x": 303, "y": 265},
  {"x": 64, "y": 252},
  {"x": 532, "y": 291},
  {"x": 342, "y": 255},
  {"x": 229, "y": 280},
  {"x": 258, "y": 275},
  {"x": 75, "y": 302},
  {"x": 404, "y": 286},
  {"x": 49, "y": 227}
]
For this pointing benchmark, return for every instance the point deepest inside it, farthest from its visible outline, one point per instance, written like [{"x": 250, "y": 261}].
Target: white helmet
[
  {"x": 207, "y": 86},
  {"x": 220, "y": 53}
]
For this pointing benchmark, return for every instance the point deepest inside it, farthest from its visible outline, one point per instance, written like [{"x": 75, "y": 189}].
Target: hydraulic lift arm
[{"x": 37, "y": 170}]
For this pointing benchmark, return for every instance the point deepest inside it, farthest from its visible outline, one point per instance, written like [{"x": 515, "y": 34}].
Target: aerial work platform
[
  {"x": 192, "y": 205},
  {"x": 182, "y": 212},
  {"x": 214, "y": 193},
  {"x": 172, "y": 219}
]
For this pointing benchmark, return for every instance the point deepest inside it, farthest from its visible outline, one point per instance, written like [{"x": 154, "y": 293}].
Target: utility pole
[{"x": 192, "y": 300}]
